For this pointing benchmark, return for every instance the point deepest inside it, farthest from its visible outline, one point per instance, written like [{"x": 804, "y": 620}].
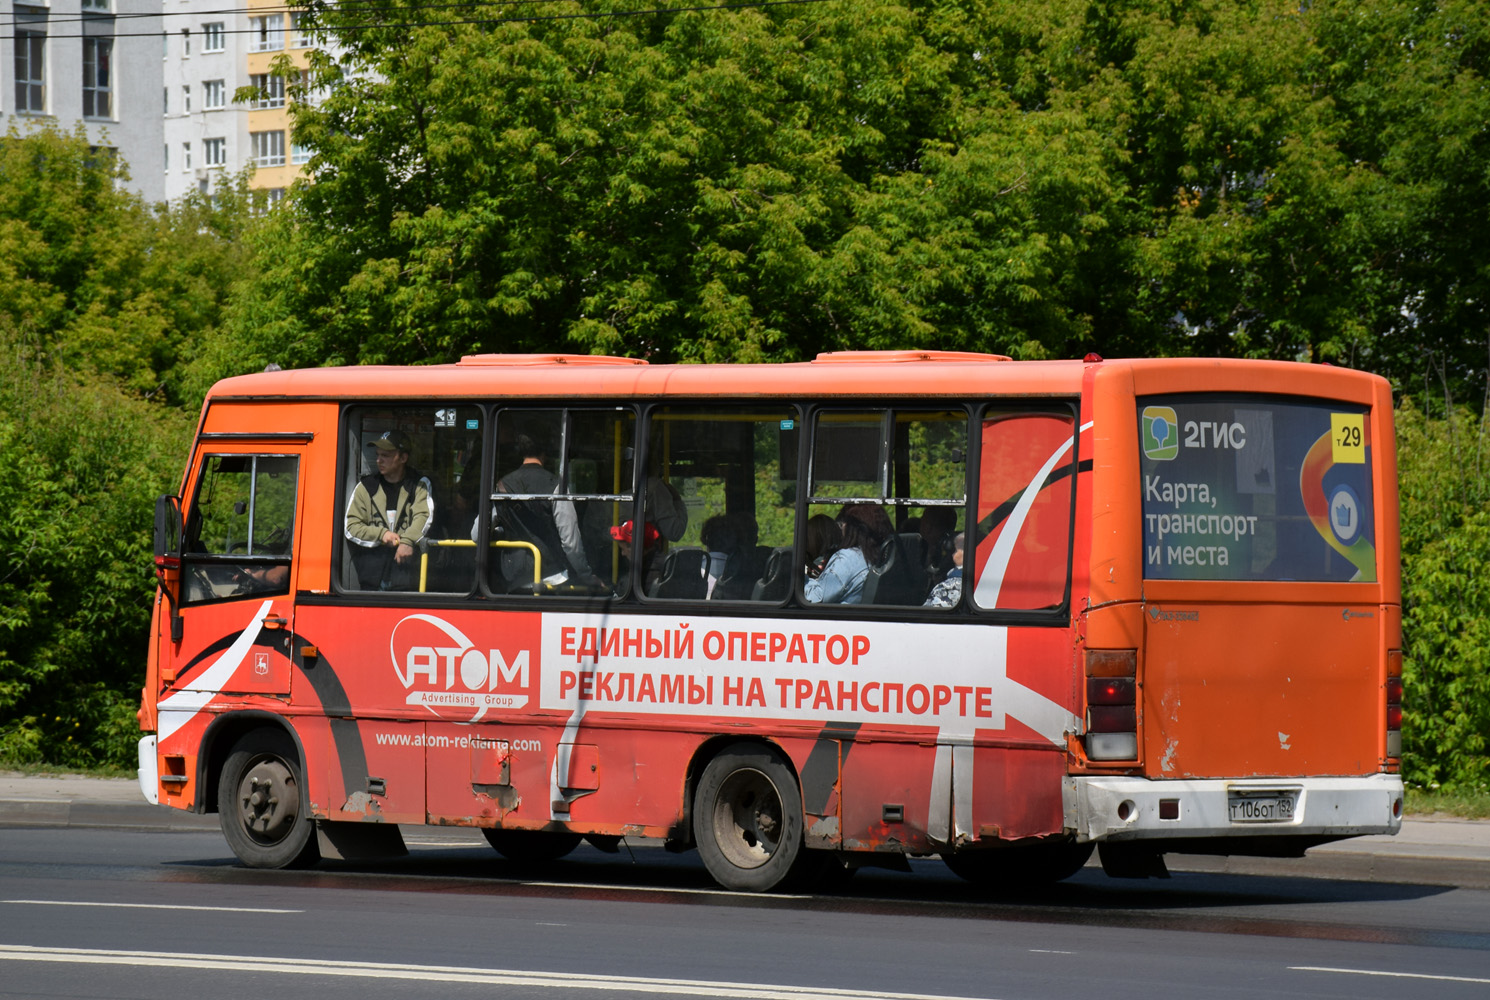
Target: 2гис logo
[{"x": 444, "y": 670}]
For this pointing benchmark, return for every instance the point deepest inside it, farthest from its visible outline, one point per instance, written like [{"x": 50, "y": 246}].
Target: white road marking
[
  {"x": 1394, "y": 975},
  {"x": 1050, "y": 951},
  {"x": 149, "y": 906},
  {"x": 443, "y": 974}
]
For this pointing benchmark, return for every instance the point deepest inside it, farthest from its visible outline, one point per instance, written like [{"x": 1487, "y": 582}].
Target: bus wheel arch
[
  {"x": 218, "y": 741},
  {"x": 262, "y": 801},
  {"x": 746, "y": 817}
]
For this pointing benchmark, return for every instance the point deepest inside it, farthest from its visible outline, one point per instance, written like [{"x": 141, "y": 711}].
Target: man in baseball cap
[{"x": 388, "y": 516}]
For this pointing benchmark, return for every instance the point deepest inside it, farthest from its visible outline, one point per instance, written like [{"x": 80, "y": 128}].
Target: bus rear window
[{"x": 1239, "y": 487}]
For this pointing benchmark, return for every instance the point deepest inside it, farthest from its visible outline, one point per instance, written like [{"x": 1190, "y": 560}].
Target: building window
[
  {"x": 270, "y": 88},
  {"x": 300, "y": 31},
  {"x": 185, "y": 43},
  {"x": 213, "y": 38},
  {"x": 299, "y": 154},
  {"x": 266, "y": 34},
  {"x": 214, "y": 95},
  {"x": 215, "y": 152},
  {"x": 166, "y": 157},
  {"x": 31, "y": 72},
  {"x": 98, "y": 81},
  {"x": 267, "y": 149},
  {"x": 165, "y": 100},
  {"x": 185, "y": 156},
  {"x": 186, "y": 98},
  {"x": 267, "y": 198},
  {"x": 96, "y": 4}
]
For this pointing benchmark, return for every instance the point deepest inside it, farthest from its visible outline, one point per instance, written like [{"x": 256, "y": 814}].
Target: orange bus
[{"x": 801, "y": 617}]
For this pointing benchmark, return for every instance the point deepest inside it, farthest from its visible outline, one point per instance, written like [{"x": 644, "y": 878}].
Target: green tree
[
  {"x": 97, "y": 281},
  {"x": 99, "y": 299},
  {"x": 1445, "y": 495},
  {"x": 708, "y": 186},
  {"x": 81, "y": 461},
  {"x": 1239, "y": 178}
]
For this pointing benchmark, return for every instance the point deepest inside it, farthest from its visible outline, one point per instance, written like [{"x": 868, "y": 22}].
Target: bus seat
[
  {"x": 776, "y": 582},
  {"x": 682, "y": 575},
  {"x": 741, "y": 574},
  {"x": 913, "y": 548},
  {"x": 894, "y": 579}
]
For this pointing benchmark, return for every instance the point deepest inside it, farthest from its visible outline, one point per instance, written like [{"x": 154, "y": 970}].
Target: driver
[{"x": 387, "y": 516}]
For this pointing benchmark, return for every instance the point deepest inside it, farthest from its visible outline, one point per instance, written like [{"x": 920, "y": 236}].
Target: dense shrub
[{"x": 1444, "y": 472}]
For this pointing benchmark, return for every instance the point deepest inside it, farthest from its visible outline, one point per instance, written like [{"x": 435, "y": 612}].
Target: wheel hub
[
  {"x": 269, "y": 800},
  {"x": 747, "y": 819}
]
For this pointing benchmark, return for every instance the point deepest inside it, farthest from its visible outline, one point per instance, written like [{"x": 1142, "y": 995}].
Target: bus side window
[
  {"x": 718, "y": 501},
  {"x": 240, "y": 529},
  {"x": 411, "y": 472},
  {"x": 888, "y": 496},
  {"x": 1022, "y": 546},
  {"x": 562, "y": 490}
]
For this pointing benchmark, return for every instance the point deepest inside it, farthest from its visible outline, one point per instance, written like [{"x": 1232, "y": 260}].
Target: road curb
[{"x": 125, "y": 815}]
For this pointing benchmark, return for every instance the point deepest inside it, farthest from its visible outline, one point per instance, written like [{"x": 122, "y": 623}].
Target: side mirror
[
  {"x": 167, "y": 534},
  {"x": 168, "y": 553}
]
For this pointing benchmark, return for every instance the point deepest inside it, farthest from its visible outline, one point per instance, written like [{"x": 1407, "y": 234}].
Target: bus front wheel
[
  {"x": 262, "y": 805},
  {"x": 1021, "y": 867},
  {"x": 747, "y": 819}
]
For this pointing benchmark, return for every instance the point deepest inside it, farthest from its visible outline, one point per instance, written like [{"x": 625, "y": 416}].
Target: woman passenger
[{"x": 850, "y": 548}]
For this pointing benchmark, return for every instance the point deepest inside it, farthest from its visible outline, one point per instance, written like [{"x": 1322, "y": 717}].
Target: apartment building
[
  {"x": 156, "y": 81},
  {"x": 94, "y": 61},
  {"x": 210, "y": 52}
]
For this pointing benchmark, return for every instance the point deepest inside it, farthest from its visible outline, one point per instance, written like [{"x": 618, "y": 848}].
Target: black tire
[
  {"x": 532, "y": 846},
  {"x": 747, "y": 819},
  {"x": 262, "y": 803},
  {"x": 1023, "y": 867}
]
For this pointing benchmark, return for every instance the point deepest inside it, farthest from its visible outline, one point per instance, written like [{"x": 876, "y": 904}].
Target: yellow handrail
[{"x": 461, "y": 543}]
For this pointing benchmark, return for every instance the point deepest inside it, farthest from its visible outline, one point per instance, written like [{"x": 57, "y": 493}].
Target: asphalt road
[{"x": 123, "y": 914}]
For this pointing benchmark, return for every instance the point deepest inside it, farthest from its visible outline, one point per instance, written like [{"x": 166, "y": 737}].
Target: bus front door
[{"x": 237, "y": 581}]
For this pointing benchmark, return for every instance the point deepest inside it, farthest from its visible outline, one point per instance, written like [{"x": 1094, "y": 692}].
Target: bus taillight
[
  {"x": 1112, "y": 704},
  {"x": 1394, "y": 703}
]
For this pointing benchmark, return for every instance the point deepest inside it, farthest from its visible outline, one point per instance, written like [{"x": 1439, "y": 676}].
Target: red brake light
[
  {"x": 1110, "y": 691},
  {"x": 1112, "y": 704},
  {"x": 1394, "y": 690}
]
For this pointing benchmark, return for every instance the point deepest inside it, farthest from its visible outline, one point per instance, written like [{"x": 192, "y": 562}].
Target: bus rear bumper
[{"x": 1128, "y": 809}]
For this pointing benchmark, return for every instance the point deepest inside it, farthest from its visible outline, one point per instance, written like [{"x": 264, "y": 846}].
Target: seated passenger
[
  {"x": 722, "y": 543},
  {"x": 665, "y": 519},
  {"x": 936, "y": 527},
  {"x": 862, "y": 530},
  {"x": 948, "y": 593}
]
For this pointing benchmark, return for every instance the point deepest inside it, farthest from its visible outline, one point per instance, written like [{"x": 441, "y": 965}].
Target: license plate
[{"x": 1272, "y": 807}]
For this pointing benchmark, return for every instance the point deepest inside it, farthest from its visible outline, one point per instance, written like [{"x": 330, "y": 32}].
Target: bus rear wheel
[
  {"x": 747, "y": 819},
  {"x": 532, "y": 846},
  {"x": 1022, "y": 867},
  {"x": 262, "y": 804}
]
